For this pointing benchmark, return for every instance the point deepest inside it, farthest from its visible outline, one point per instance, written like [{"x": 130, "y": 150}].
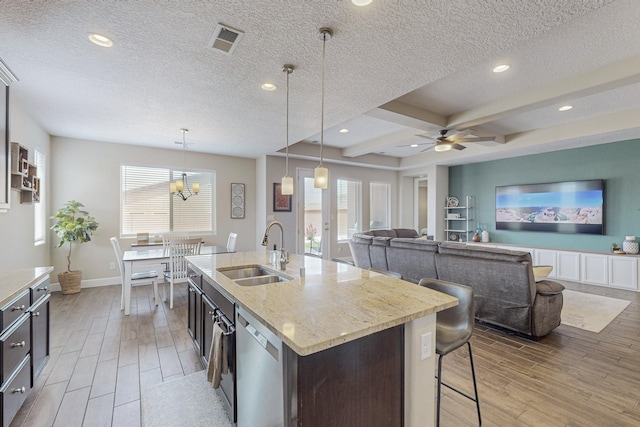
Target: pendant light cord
[
  {"x": 288, "y": 70},
  {"x": 324, "y": 42}
]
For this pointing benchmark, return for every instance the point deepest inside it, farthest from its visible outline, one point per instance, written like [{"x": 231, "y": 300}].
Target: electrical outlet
[
  {"x": 112, "y": 266},
  {"x": 425, "y": 346}
]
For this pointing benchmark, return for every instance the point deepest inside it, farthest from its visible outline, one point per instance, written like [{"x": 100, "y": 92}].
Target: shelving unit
[
  {"x": 458, "y": 221},
  {"x": 24, "y": 175}
]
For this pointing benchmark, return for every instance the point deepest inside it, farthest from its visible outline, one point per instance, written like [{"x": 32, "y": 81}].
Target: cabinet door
[
  {"x": 623, "y": 272},
  {"x": 194, "y": 318},
  {"x": 546, "y": 257},
  {"x": 594, "y": 269},
  {"x": 568, "y": 266},
  {"x": 40, "y": 343},
  {"x": 207, "y": 329}
]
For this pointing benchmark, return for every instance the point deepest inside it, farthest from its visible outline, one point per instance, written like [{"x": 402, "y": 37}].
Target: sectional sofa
[{"x": 506, "y": 292}]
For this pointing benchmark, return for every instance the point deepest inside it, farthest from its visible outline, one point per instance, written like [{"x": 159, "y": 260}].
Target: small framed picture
[
  {"x": 237, "y": 200},
  {"x": 281, "y": 203}
]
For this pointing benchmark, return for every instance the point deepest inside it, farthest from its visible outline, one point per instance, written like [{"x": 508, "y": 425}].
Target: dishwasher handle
[{"x": 262, "y": 340}]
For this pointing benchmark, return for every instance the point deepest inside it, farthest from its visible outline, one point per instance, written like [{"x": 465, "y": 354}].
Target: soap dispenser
[{"x": 274, "y": 257}]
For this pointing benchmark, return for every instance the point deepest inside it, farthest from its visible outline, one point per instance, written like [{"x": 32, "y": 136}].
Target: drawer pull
[
  {"x": 18, "y": 307},
  {"x": 36, "y": 314},
  {"x": 19, "y": 390},
  {"x": 42, "y": 289},
  {"x": 18, "y": 344}
]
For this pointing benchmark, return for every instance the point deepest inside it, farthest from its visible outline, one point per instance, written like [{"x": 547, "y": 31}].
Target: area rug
[
  {"x": 590, "y": 312},
  {"x": 187, "y": 401}
]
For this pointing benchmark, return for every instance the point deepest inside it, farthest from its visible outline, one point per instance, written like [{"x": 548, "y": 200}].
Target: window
[
  {"x": 146, "y": 206},
  {"x": 39, "y": 211},
  {"x": 349, "y": 206},
  {"x": 379, "y": 205}
]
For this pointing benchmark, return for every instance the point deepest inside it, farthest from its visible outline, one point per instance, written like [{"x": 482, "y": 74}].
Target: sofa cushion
[
  {"x": 406, "y": 232},
  {"x": 419, "y": 244},
  {"x": 384, "y": 233},
  {"x": 414, "y": 258},
  {"x": 482, "y": 252}
]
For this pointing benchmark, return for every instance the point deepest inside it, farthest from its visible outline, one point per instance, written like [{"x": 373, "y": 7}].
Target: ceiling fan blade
[
  {"x": 458, "y": 146},
  {"x": 476, "y": 139},
  {"x": 427, "y": 137},
  {"x": 415, "y": 143},
  {"x": 428, "y": 148}
]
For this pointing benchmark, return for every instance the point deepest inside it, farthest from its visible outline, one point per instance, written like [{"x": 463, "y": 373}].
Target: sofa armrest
[{"x": 548, "y": 287}]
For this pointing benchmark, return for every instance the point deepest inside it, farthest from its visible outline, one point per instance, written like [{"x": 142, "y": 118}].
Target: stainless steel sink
[
  {"x": 253, "y": 275},
  {"x": 260, "y": 280},
  {"x": 244, "y": 272}
]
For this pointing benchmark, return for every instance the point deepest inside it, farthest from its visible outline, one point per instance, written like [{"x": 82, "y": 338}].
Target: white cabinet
[
  {"x": 595, "y": 268},
  {"x": 568, "y": 266},
  {"x": 623, "y": 272}
]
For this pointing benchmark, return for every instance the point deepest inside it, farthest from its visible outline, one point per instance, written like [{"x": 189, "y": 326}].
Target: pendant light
[
  {"x": 321, "y": 174},
  {"x": 287, "y": 181},
  {"x": 178, "y": 188}
]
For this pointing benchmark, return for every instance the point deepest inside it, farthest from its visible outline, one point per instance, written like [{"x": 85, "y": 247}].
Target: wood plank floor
[{"x": 101, "y": 360}]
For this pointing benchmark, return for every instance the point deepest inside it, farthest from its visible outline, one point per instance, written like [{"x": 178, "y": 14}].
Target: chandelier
[{"x": 181, "y": 186}]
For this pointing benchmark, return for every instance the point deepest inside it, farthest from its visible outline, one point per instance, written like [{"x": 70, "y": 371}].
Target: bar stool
[{"x": 454, "y": 327}]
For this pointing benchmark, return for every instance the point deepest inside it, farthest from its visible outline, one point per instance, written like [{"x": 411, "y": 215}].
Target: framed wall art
[
  {"x": 237, "y": 200},
  {"x": 281, "y": 203}
]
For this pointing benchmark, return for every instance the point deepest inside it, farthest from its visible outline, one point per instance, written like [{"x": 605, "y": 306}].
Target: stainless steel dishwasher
[{"x": 259, "y": 373}]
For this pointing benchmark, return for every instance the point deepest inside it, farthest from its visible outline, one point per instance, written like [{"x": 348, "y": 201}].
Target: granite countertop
[
  {"x": 13, "y": 282},
  {"x": 332, "y": 304}
]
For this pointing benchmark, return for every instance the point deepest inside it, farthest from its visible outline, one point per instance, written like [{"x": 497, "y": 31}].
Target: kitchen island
[{"x": 357, "y": 346}]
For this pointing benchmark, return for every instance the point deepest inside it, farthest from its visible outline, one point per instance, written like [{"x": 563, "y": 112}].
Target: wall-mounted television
[{"x": 560, "y": 207}]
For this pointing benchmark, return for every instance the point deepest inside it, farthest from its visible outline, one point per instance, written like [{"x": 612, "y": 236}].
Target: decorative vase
[
  {"x": 476, "y": 237},
  {"x": 485, "y": 236},
  {"x": 70, "y": 281},
  {"x": 630, "y": 245}
]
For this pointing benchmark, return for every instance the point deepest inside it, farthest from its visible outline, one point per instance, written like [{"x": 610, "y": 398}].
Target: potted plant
[{"x": 72, "y": 225}]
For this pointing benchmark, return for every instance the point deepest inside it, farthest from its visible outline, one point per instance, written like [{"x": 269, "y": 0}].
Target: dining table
[{"x": 135, "y": 258}]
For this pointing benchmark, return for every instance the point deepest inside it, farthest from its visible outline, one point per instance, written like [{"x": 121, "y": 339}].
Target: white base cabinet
[{"x": 602, "y": 269}]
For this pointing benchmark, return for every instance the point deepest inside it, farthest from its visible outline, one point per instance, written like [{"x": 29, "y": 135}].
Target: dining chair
[
  {"x": 135, "y": 277},
  {"x": 231, "y": 242},
  {"x": 179, "y": 248},
  {"x": 454, "y": 327}
]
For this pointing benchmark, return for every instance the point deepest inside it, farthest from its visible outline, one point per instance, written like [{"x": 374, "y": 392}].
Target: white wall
[
  {"x": 89, "y": 172},
  {"x": 16, "y": 225}
]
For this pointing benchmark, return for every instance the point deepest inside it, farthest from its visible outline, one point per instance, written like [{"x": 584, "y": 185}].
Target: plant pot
[{"x": 70, "y": 281}]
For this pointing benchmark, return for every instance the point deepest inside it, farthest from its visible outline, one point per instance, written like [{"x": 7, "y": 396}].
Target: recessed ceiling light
[
  {"x": 101, "y": 40},
  {"x": 361, "y": 2},
  {"x": 565, "y": 108},
  {"x": 413, "y": 145},
  {"x": 344, "y": 130},
  {"x": 268, "y": 86},
  {"x": 501, "y": 68}
]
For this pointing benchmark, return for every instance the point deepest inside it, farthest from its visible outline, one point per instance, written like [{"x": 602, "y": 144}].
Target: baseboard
[{"x": 91, "y": 283}]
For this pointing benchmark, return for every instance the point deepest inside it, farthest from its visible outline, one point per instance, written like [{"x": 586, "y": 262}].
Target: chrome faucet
[{"x": 284, "y": 256}]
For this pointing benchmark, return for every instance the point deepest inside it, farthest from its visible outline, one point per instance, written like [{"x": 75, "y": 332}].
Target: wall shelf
[
  {"x": 24, "y": 175},
  {"x": 458, "y": 220}
]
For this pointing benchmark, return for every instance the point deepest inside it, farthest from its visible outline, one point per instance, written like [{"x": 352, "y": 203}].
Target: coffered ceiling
[{"x": 394, "y": 69}]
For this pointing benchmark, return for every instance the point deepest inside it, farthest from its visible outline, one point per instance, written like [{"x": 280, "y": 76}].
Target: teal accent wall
[{"x": 617, "y": 163}]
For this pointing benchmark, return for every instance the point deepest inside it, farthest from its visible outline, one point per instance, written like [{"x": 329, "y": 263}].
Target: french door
[{"x": 313, "y": 219}]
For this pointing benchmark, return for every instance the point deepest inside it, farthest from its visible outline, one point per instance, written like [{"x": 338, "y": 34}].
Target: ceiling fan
[{"x": 446, "y": 143}]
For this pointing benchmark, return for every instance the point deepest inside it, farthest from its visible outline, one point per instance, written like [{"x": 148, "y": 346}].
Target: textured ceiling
[{"x": 433, "y": 56}]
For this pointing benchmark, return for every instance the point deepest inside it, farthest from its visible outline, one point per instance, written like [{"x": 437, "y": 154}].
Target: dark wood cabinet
[
  {"x": 194, "y": 319},
  {"x": 24, "y": 345}
]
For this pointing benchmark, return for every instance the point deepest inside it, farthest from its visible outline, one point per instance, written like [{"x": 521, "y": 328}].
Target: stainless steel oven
[{"x": 217, "y": 308}]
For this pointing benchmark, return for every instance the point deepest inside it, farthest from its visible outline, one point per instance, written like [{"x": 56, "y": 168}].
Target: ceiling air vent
[{"x": 225, "y": 38}]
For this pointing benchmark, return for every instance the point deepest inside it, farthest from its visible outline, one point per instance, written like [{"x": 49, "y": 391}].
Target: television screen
[{"x": 561, "y": 207}]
